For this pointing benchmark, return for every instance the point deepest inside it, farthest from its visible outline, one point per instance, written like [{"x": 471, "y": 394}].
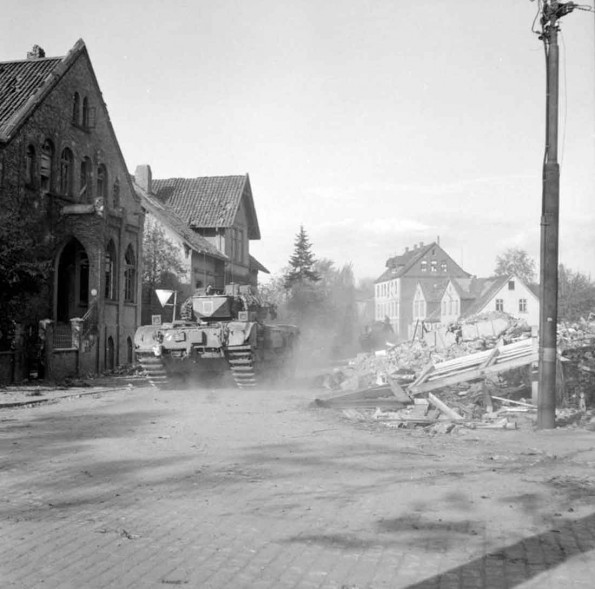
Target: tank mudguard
[
  {"x": 145, "y": 338},
  {"x": 240, "y": 332}
]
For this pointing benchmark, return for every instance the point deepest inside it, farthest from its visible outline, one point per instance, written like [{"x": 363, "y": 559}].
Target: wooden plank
[
  {"x": 504, "y": 400},
  {"x": 424, "y": 373},
  {"x": 451, "y": 413},
  {"x": 424, "y": 387},
  {"x": 492, "y": 357}
]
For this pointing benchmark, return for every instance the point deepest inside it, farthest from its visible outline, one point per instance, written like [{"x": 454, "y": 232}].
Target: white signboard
[
  {"x": 155, "y": 319},
  {"x": 163, "y": 295}
]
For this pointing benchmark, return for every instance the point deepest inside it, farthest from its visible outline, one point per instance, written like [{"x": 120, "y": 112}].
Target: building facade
[
  {"x": 398, "y": 295},
  {"x": 221, "y": 210},
  {"x": 201, "y": 263},
  {"x": 59, "y": 155}
]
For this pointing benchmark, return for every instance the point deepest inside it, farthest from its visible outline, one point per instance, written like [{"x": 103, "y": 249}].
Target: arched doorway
[
  {"x": 109, "y": 353},
  {"x": 72, "y": 297}
]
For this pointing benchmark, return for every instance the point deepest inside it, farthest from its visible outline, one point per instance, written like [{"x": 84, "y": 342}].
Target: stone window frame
[
  {"x": 66, "y": 171},
  {"x": 130, "y": 275},
  {"x": 30, "y": 165},
  {"x": 46, "y": 165},
  {"x": 76, "y": 108},
  {"x": 102, "y": 182},
  {"x": 85, "y": 113},
  {"x": 111, "y": 271},
  {"x": 85, "y": 180}
]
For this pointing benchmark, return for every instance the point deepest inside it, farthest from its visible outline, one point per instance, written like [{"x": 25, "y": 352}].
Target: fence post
[
  {"x": 76, "y": 325},
  {"x": 46, "y": 335},
  {"x": 19, "y": 353}
]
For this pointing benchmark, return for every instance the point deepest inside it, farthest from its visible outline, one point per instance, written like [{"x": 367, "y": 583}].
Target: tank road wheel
[
  {"x": 155, "y": 369},
  {"x": 243, "y": 366}
]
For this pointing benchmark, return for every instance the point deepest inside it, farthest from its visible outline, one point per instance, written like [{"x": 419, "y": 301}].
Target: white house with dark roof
[
  {"x": 458, "y": 299},
  {"x": 396, "y": 289},
  {"x": 505, "y": 294},
  {"x": 219, "y": 209}
]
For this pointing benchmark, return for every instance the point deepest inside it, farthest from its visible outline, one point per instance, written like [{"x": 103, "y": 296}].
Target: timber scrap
[{"x": 475, "y": 366}]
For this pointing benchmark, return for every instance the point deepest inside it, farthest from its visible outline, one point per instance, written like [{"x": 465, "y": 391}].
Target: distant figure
[{"x": 209, "y": 289}]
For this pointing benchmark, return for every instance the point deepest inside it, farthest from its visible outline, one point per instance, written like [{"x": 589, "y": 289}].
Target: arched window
[
  {"x": 85, "y": 112},
  {"x": 85, "y": 179},
  {"x": 129, "y": 275},
  {"x": 30, "y": 165},
  {"x": 129, "y": 350},
  {"x": 110, "y": 271},
  {"x": 66, "y": 160},
  {"x": 116, "y": 193},
  {"x": 47, "y": 163},
  {"x": 101, "y": 181},
  {"x": 76, "y": 108}
]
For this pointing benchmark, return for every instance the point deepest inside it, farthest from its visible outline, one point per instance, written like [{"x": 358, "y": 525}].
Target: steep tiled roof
[
  {"x": 171, "y": 220},
  {"x": 254, "y": 263},
  {"x": 208, "y": 202},
  {"x": 433, "y": 289},
  {"x": 399, "y": 265},
  {"x": 19, "y": 82},
  {"x": 490, "y": 287}
]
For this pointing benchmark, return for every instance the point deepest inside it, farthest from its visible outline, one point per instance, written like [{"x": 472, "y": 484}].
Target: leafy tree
[
  {"x": 576, "y": 295},
  {"x": 301, "y": 263},
  {"x": 162, "y": 263},
  {"x": 25, "y": 264},
  {"x": 162, "y": 268},
  {"x": 516, "y": 261}
]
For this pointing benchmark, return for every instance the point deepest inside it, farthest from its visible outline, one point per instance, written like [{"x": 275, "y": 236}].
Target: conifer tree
[{"x": 301, "y": 263}]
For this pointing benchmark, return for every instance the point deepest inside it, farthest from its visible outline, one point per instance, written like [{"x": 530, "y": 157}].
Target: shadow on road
[{"x": 520, "y": 562}]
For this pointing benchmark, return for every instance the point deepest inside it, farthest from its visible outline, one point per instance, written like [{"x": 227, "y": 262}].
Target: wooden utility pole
[{"x": 548, "y": 320}]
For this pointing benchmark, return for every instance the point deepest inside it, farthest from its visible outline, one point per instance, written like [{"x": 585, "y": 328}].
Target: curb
[{"x": 43, "y": 400}]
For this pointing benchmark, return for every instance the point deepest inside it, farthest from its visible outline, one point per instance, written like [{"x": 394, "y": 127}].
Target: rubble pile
[
  {"x": 576, "y": 342},
  {"x": 500, "y": 397}
]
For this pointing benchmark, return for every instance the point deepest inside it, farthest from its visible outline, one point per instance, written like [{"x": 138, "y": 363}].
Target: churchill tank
[{"x": 219, "y": 333}]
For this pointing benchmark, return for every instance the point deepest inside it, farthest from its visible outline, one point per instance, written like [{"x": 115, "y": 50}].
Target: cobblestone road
[{"x": 254, "y": 489}]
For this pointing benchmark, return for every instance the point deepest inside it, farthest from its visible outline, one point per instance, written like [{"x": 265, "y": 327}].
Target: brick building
[{"x": 60, "y": 159}]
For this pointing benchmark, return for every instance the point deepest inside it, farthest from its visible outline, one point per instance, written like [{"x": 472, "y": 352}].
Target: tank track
[
  {"x": 243, "y": 366},
  {"x": 155, "y": 369}
]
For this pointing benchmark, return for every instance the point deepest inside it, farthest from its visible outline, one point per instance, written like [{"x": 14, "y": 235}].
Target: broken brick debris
[{"x": 481, "y": 383}]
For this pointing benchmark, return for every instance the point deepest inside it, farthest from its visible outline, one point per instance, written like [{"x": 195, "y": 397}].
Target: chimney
[
  {"x": 36, "y": 53},
  {"x": 144, "y": 177},
  {"x": 421, "y": 244},
  {"x": 407, "y": 249}
]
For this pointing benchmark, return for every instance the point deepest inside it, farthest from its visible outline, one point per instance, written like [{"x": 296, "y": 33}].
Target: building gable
[{"x": 210, "y": 202}]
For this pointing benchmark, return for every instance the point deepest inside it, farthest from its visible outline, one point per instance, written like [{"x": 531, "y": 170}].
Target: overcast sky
[{"x": 376, "y": 124}]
